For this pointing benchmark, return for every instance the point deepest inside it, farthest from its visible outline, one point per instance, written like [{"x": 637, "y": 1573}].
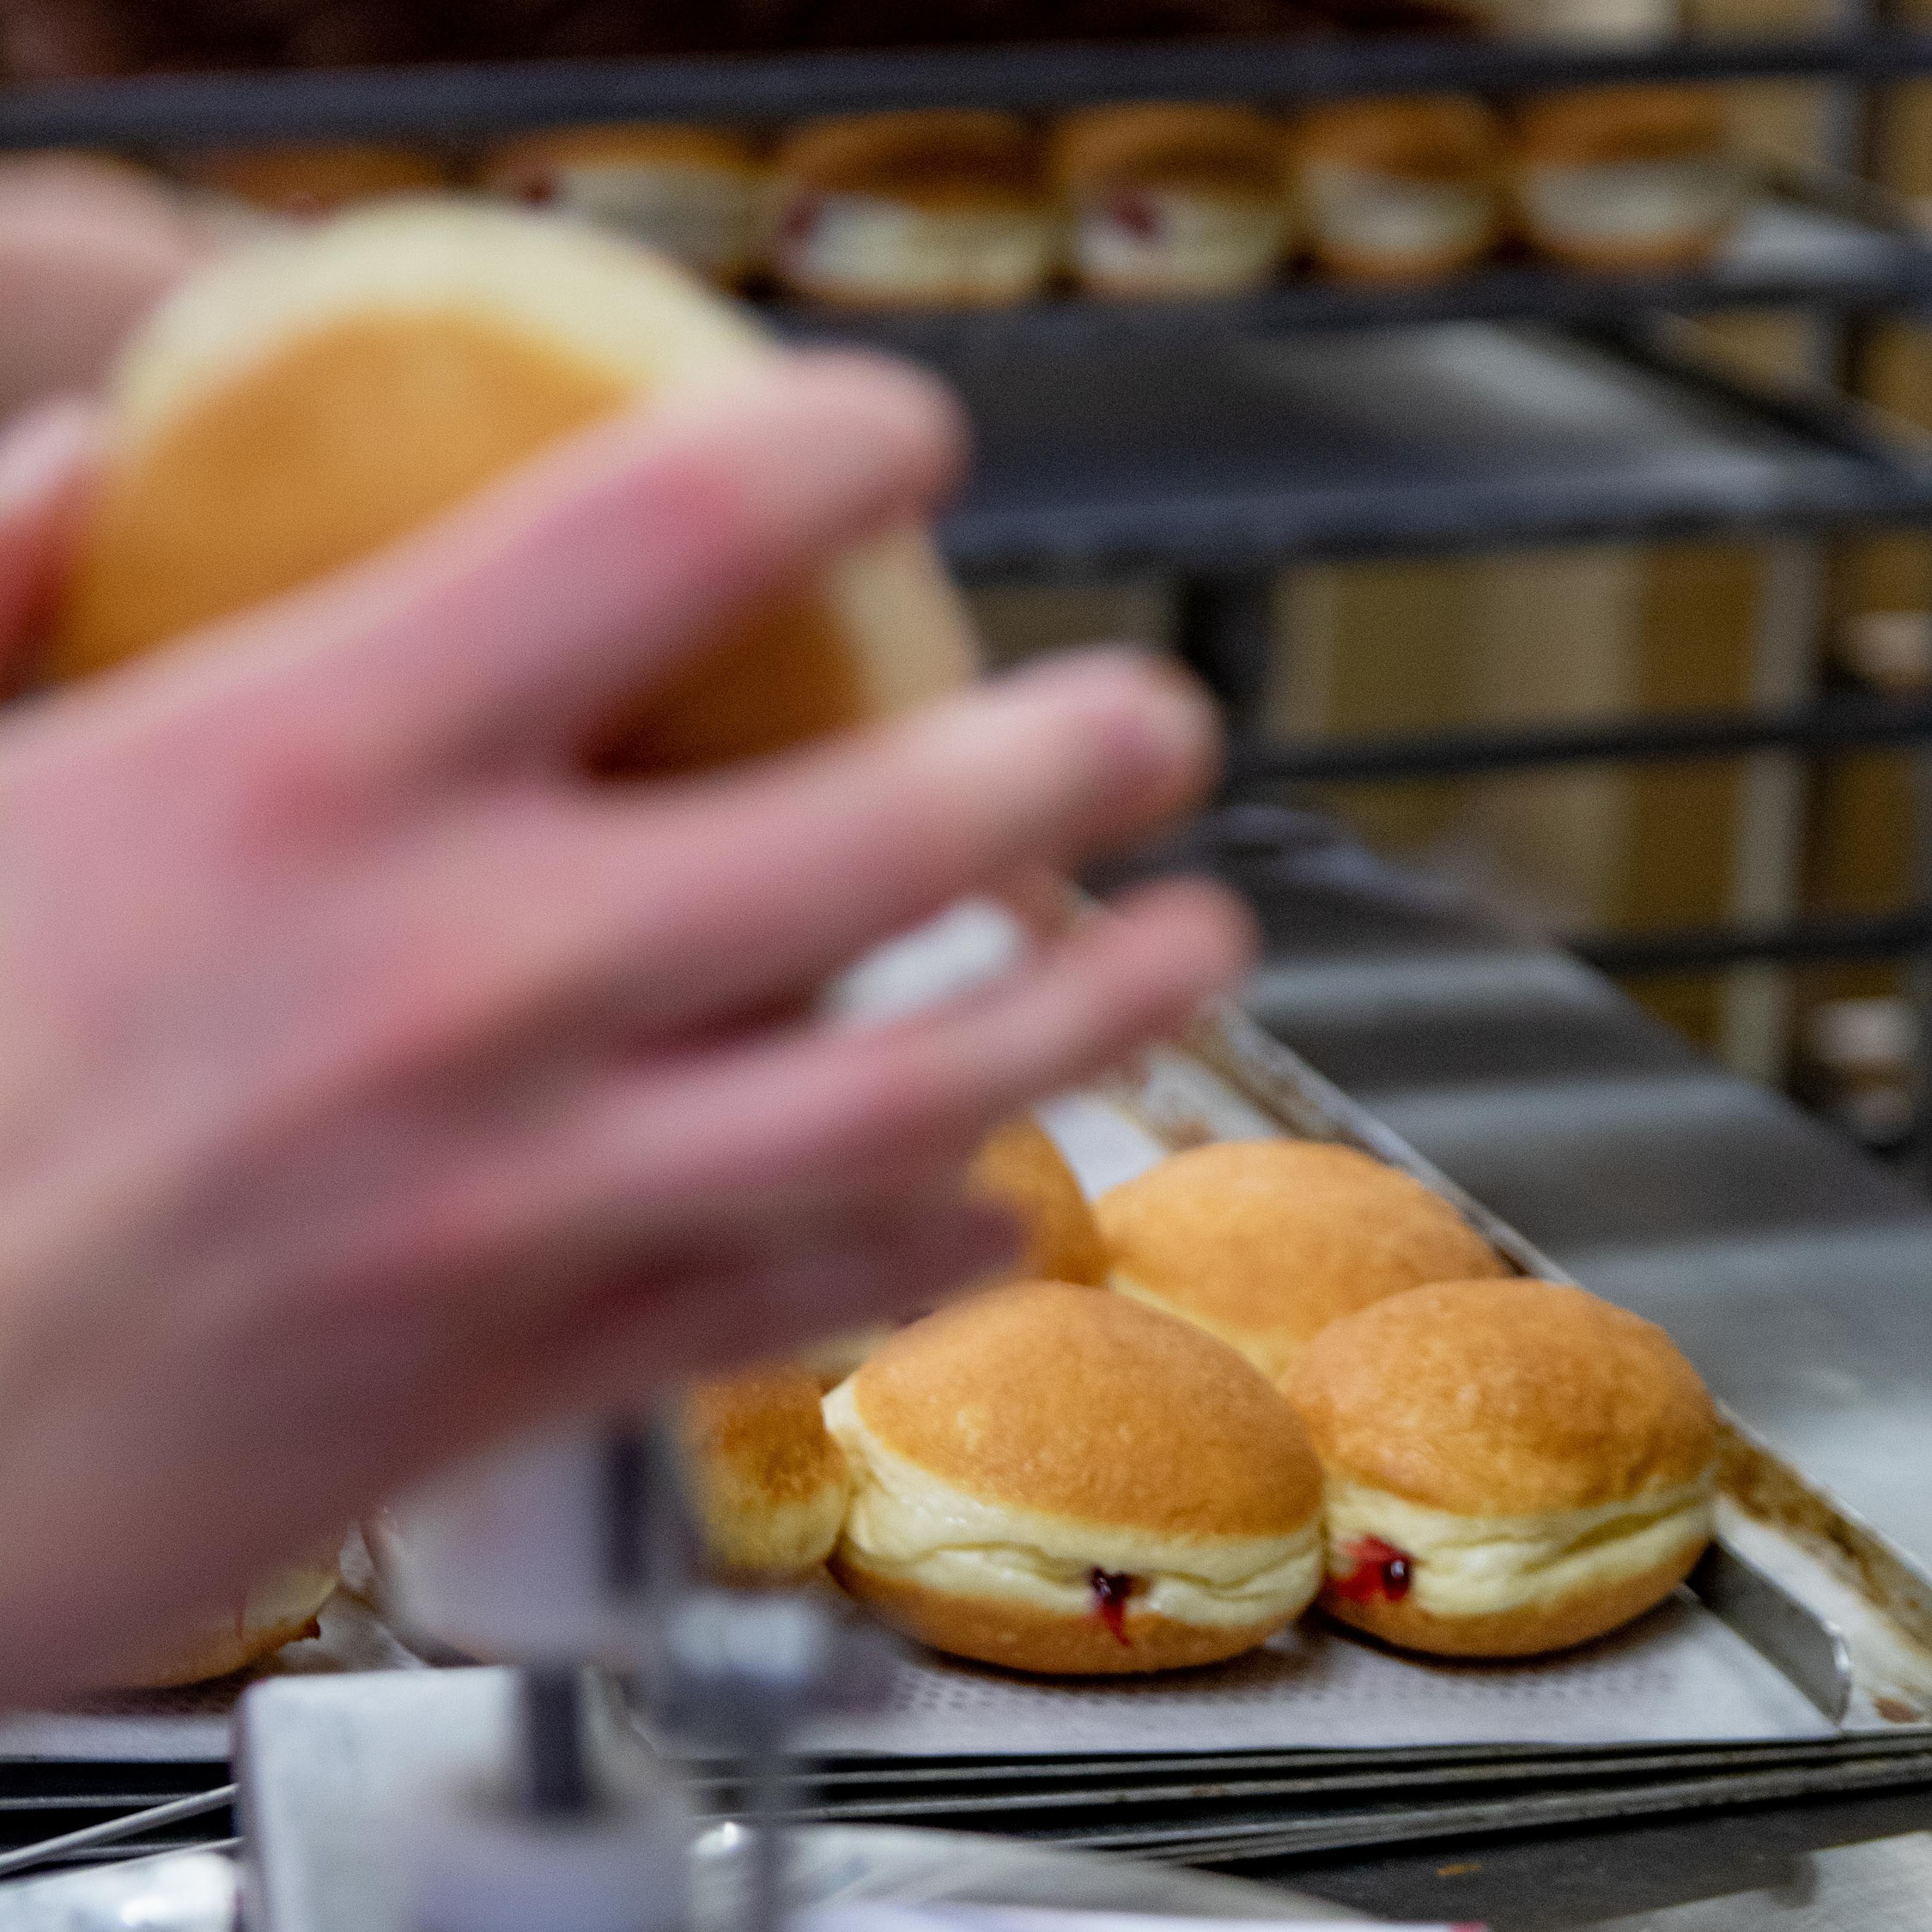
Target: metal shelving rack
[{"x": 1516, "y": 404}]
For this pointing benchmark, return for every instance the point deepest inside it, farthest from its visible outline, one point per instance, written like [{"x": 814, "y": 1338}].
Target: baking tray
[
  {"x": 1230, "y": 451},
  {"x": 1840, "y": 1610},
  {"x": 1835, "y": 1606}
]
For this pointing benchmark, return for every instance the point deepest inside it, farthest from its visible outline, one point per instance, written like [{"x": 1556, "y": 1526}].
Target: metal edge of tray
[
  {"x": 455, "y": 101},
  {"x": 1829, "y": 465},
  {"x": 1803, "y": 1644}
]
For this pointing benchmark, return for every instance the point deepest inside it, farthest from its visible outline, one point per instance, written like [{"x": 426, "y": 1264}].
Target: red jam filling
[
  {"x": 537, "y": 189},
  {"x": 1137, "y": 212},
  {"x": 1111, "y": 1590},
  {"x": 1381, "y": 1569}
]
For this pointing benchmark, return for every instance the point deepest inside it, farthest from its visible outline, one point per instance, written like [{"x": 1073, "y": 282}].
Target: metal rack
[{"x": 1310, "y": 420}]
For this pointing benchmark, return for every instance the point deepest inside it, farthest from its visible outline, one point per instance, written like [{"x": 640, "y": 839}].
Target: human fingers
[
  {"x": 47, "y": 459},
  {"x": 719, "y": 1310},
  {"x": 738, "y": 891},
  {"x": 176, "y": 1503},
  {"x": 505, "y": 631},
  {"x": 761, "y": 1128}
]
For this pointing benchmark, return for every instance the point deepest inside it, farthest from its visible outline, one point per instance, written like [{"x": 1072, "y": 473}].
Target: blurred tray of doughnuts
[{"x": 928, "y": 228}]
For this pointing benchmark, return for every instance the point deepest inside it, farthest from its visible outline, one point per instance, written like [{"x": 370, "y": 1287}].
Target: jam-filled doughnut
[
  {"x": 1173, "y": 199},
  {"x": 1626, "y": 180},
  {"x": 301, "y": 403},
  {"x": 1512, "y": 1467},
  {"x": 914, "y": 210},
  {"x": 1264, "y": 1242},
  {"x": 1059, "y": 1480},
  {"x": 697, "y": 193},
  {"x": 1402, "y": 190}
]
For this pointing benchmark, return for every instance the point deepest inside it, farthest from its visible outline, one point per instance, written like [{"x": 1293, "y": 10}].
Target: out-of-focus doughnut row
[{"x": 981, "y": 209}]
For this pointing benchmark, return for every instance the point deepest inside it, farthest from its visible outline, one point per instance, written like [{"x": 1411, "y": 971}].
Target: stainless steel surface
[
  {"x": 835, "y": 1863},
  {"x": 1884, "y": 1886},
  {"x": 329, "y": 1765},
  {"x": 1806, "y": 1647},
  {"x": 186, "y": 1892}
]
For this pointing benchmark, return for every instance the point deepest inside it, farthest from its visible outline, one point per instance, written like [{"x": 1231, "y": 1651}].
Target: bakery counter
[{"x": 1796, "y": 1273}]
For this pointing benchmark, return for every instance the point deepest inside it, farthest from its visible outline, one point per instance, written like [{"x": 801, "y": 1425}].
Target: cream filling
[
  {"x": 1613, "y": 202},
  {"x": 1163, "y": 239},
  {"x": 1365, "y": 212},
  {"x": 866, "y": 244},
  {"x": 1465, "y": 1566},
  {"x": 907, "y": 1525},
  {"x": 705, "y": 217}
]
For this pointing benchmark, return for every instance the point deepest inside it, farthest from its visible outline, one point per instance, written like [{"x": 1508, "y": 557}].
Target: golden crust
[
  {"x": 1504, "y": 1398},
  {"x": 770, "y": 1482},
  {"x": 1264, "y": 1242},
  {"x": 396, "y": 362},
  {"x": 1425, "y": 137},
  {"x": 619, "y": 144},
  {"x": 319, "y": 178},
  {"x": 933, "y": 158},
  {"x": 1636, "y": 124},
  {"x": 1019, "y": 1167},
  {"x": 1048, "y": 1397},
  {"x": 1662, "y": 254},
  {"x": 1232, "y": 151},
  {"x": 1522, "y": 1632},
  {"x": 1024, "y": 1636},
  {"x": 161, "y": 557}
]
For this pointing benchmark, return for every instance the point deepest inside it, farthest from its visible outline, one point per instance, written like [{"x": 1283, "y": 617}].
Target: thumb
[{"x": 48, "y": 459}]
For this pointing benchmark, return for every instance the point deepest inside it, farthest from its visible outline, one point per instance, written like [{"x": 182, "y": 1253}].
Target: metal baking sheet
[
  {"x": 1229, "y": 451},
  {"x": 1853, "y": 1638}
]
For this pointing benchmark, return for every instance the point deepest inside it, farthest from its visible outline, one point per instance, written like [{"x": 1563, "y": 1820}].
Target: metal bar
[
  {"x": 1388, "y": 1767},
  {"x": 467, "y": 99},
  {"x": 1274, "y": 1836},
  {"x": 1810, "y": 1652},
  {"x": 154, "y": 1818},
  {"x": 552, "y": 1710},
  {"x": 1662, "y": 346},
  {"x": 1767, "y": 839},
  {"x": 1859, "y": 719},
  {"x": 1694, "y": 949},
  {"x": 1223, "y": 631}
]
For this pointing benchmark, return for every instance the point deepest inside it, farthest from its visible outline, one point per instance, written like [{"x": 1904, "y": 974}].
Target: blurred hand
[
  {"x": 371, "y": 1083},
  {"x": 86, "y": 247}
]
